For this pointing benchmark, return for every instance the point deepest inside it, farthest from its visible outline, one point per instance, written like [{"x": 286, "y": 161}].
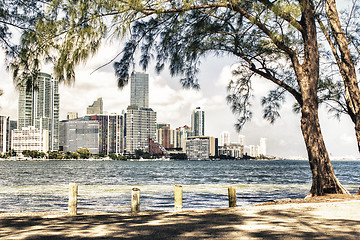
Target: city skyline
[{"x": 174, "y": 105}]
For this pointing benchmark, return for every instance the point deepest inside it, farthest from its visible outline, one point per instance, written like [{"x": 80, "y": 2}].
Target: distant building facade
[
  {"x": 140, "y": 126},
  {"x": 95, "y": 108},
  {"x": 111, "y": 133},
  {"x": 75, "y": 135},
  {"x": 262, "y": 147},
  {"x": 242, "y": 140},
  {"x": 182, "y": 134},
  {"x": 235, "y": 151},
  {"x": 201, "y": 147},
  {"x": 163, "y": 136},
  {"x": 72, "y": 115},
  {"x": 253, "y": 150},
  {"x": 139, "y": 95},
  {"x": 30, "y": 138},
  {"x": 224, "y": 138},
  {"x": 5, "y": 133},
  {"x": 198, "y": 122},
  {"x": 39, "y": 107}
]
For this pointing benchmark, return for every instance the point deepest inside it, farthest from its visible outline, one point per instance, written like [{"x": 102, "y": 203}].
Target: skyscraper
[
  {"x": 140, "y": 119},
  {"x": 4, "y": 134},
  {"x": 39, "y": 107},
  {"x": 262, "y": 148},
  {"x": 198, "y": 122},
  {"x": 95, "y": 108},
  {"x": 225, "y": 138},
  {"x": 140, "y": 126},
  {"x": 139, "y": 90},
  {"x": 242, "y": 140}
]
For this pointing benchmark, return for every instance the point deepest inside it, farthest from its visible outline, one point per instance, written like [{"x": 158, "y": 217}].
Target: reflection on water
[{"x": 106, "y": 185}]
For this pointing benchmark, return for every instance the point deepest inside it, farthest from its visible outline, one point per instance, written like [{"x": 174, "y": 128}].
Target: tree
[
  {"x": 340, "y": 42},
  {"x": 84, "y": 153},
  {"x": 276, "y": 40},
  {"x": 12, "y": 153},
  {"x": 71, "y": 155},
  {"x": 53, "y": 155},
  {"x": 178, "y": 156},
  {"x": 18, "y": 16}
]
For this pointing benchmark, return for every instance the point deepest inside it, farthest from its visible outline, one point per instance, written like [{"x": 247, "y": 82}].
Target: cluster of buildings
[
  {"x": 38, "y": 127},
  {"x": 239, "y": 149}
]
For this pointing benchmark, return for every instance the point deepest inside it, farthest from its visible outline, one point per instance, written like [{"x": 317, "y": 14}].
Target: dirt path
[{"x": 310, "y": 220}]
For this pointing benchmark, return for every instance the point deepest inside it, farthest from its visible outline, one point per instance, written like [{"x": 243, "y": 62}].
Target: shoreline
[
  {"x": 18, "y": 159},
  {"x": 322, "y": 218},
  {"x": 327, "y": 199}
]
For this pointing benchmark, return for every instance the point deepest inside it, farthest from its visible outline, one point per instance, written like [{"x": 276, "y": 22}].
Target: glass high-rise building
[
  {"x": 140, "y": 119},
  {"x": 198, "y": 122},
  {"x": 139, "y": 90},
  {"x": 39, "y": 107},
  {"x": 140, "y": 127}
]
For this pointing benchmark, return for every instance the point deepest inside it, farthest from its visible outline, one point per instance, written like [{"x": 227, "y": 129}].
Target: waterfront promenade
[{"x": 324, "y": 219}]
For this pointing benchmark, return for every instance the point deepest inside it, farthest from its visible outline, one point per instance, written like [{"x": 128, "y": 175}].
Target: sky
[{"x": 174, "y": 104}]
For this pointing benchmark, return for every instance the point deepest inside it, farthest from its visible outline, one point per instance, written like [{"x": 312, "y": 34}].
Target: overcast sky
[{"x": 174, "y": 105}]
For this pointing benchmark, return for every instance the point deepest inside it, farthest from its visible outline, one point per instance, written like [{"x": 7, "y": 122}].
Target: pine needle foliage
[{"x": 263, "y": 35}]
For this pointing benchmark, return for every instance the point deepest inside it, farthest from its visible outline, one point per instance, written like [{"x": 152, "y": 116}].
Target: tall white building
[
  {"x": 254, "y": 150},
  {"x": 39, "y": 107},
  {"x": 198, "y": 122},
  {"x": 140, "y": 126},
  {"x": 140, "y": 119},
  {"x": 242, "y": 140},
  {"x": 262, "y": 147},
  {"x": 225, "y": 138},
  {"x": 139, "y": 90}
]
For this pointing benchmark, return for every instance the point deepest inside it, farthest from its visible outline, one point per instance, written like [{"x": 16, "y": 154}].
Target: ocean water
[{"x": 30, "y": 186}]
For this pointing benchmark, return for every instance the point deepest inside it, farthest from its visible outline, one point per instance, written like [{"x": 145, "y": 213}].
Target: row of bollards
[{"x": 135, "y": 198}]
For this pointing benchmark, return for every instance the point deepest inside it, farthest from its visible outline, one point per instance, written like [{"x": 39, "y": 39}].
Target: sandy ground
[{"x": 310, "y": 219}]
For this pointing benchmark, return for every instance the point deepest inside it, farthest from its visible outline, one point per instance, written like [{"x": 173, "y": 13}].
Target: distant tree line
[{"x": 84, "y": 153}]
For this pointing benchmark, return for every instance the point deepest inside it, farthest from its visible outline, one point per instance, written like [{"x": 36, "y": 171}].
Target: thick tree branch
[
  {"x": 284, "y": 15},
  {"x": 272, "y": 78}
]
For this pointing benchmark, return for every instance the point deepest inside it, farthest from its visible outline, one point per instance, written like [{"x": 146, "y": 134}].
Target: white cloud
[{"x": 225, "y": 76}]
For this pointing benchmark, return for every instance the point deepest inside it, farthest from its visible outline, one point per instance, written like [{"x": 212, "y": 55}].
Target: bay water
[{"x": 42, "y": 186}]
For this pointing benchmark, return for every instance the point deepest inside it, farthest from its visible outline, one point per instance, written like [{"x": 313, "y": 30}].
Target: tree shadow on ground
[{"x": 212, "y": 224}]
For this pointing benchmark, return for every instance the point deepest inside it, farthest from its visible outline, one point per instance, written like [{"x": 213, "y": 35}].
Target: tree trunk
[
  {"x": 357, "y": 130},
  {"x": 346, "y": 67},
  {"x": 324, "y": 179}
]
